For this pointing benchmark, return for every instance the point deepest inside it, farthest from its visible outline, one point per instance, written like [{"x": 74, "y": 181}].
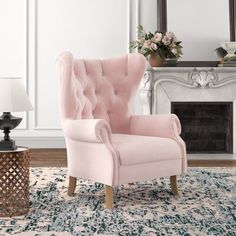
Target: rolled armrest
[
  {"x": 166, "y": 125},
  {"x": 87, "y": 130}
]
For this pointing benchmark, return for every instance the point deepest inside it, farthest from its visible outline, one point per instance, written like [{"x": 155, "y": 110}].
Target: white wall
[
  {"x": 34, "y": 32},
  {"x": 201, "y": 25},
  {"x": 13, "y": 42},
  {"x": 148, "y": 14},
  {"x": 89, "y": 29},
  {"x": 13, "y": 37}
]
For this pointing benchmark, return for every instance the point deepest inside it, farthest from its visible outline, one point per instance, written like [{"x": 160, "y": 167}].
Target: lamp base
[
  {"x": 6, "y": 145},
  {"x": 7, "y": 123}
]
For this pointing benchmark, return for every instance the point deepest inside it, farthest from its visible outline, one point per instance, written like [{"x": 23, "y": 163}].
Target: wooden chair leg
[
  {"x": 108, "y": 197},
  {"x": 72, "y": 185},
  {"x": 174, "y": 186}
]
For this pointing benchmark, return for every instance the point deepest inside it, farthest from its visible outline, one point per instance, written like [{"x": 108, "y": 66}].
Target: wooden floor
[
  {"x": 57, "y": 158},
  {"x": 48, "y": 158}
]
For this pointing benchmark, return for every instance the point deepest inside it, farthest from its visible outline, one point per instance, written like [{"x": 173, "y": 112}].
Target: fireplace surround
[{"x": 164, "y": 89}]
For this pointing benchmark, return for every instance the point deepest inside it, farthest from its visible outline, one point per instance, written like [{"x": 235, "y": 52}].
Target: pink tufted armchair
[{"x": 105, "y": 142}]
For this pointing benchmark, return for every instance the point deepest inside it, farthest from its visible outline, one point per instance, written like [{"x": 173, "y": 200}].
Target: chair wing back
[{"x": 100, "y": 89}]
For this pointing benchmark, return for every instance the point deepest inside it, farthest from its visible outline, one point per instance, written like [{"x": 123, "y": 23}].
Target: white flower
[
  {"x": 153, "y": 46},
  {"x": 157, "y": 37},
  {"x": 147, "y": 44},
  {"x": 171, "y": 36},
  {"x": 174, "y": 51},
  {"x": 166, "y": 40}
]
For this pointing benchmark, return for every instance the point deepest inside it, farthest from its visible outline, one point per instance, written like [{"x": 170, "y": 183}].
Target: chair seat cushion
[{"x": 136, "y": 149}]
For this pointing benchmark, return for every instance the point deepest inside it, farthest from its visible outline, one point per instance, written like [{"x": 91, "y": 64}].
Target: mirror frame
[{"x": 162, "y": 27}]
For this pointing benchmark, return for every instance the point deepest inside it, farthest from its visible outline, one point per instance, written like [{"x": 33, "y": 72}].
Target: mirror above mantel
[{"x": 200, "y": 24}]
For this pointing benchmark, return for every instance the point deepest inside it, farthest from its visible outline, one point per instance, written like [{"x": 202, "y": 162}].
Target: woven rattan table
[{"x": 14, "y": 182}]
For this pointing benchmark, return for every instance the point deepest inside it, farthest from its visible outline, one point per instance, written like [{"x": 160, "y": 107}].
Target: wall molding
[
  {"x": 134, "y": 21},
  {"x": 133, "y": 15},
  {"x": 41, "y": 142},
  {"x": 26, "y": 61},
  {"x": 36, "y": 123},
  {"x": 36, "y": 126}
]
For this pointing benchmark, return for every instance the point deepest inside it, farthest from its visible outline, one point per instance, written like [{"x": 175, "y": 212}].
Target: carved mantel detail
[
  {"x": 203, "y": 78},
  {"x": 145, "y": 93},
  {"x": 146, "y": 79},
  {"x": 197, "y": 78},
  {"x": 194, "y": 78}
]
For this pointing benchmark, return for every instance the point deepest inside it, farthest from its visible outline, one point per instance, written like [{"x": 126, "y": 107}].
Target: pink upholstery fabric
[
  {"x": 90, "y": 130},
  {"x": 92, "y": 161},
  {"x": 105, "y": 143},
  {"x": 152, "y": 170},
  {"x": 165, "y": 125},
  {"x": 100, "y": 88},
  {"x": 137, "y": 149}
]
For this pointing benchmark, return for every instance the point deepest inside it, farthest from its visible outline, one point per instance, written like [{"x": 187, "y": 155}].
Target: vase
[
  {"x": 155, "y": 60},
  {"x": 171, "y": 62}
]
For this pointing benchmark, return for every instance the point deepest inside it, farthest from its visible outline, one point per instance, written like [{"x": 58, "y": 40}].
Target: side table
[{"x": 14, "y": 182}]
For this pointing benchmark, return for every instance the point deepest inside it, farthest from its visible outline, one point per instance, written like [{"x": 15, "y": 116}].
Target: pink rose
[
  {"x": 166, "y": 40},
  {"x": 171, "y": 36},
  {"x": 157, "y": 37},
  {"x": 153, "y": 46}
]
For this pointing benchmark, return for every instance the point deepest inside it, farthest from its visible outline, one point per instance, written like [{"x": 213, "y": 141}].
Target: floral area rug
[{"x": 207, "y": 206}]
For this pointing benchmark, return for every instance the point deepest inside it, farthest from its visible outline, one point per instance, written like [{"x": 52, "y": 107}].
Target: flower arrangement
[{"x": 165, "y": 45}]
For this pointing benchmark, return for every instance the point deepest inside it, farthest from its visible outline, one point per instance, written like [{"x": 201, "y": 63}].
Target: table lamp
[{"x": 13, "y": 98}]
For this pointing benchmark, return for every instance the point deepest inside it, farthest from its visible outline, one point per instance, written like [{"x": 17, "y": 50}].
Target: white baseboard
[
  {"x": 218, "y": 156},
  {"x": 41, "y": 142}
]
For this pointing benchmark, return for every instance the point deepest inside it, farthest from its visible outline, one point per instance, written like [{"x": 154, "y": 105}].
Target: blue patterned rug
[{"x": 207, "y": 206}]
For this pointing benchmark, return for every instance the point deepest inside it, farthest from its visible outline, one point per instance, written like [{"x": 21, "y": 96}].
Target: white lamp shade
[{"x": 13, "y": 97}]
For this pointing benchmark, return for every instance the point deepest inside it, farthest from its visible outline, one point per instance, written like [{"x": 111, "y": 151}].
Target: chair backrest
[{"x": 100, "y": 89}]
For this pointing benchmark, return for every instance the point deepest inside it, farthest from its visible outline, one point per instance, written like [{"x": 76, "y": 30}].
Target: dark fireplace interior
[{"x": 207, "y": 127}]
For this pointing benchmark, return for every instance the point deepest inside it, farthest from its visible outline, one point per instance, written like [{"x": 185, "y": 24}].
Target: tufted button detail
[{"x": 116, "y": 92}]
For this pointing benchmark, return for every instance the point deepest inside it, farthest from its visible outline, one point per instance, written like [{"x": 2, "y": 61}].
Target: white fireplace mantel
[{"x": 163, "y": 85}]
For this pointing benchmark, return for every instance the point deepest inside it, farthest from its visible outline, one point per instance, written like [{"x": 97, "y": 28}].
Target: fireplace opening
[{"x": 207, "y": 127}]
